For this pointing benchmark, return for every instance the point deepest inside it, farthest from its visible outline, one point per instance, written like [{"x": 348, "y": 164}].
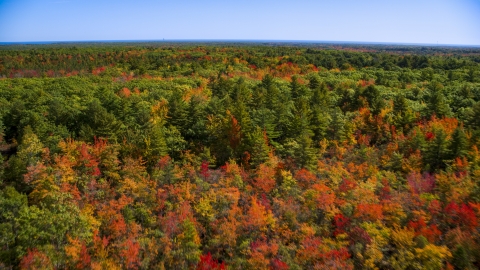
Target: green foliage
[
  {"x": 97, "y": 121},
  {"x": 436, "y": 101},
  {"x": 188, "y": 253},
  {"x": 259, "y": 150},
  {"x": 459, "y": 144},
  {"x": 12, "y": 204},
  {"x": 437, "y": 151}
]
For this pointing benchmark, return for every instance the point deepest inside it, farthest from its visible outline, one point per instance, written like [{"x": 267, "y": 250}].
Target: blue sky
[{"x": 399, "y": 21}]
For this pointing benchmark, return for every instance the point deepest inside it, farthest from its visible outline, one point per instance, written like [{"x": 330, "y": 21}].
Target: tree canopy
[{"x": 240, "y": 156}]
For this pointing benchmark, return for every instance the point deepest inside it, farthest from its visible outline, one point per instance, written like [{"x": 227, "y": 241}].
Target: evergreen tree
[
  {"x": 188, "y": 253},
  {"x": 461, "y": 259},
  {"x": 11, "y": 203},
  {"x": 283, "y": 112},
  {"x": 314, "y": 83},
  {"x": 29, "y": 154},
  {"x": 471, "y": 75},
  {"x": 403, "y": 114},
  {"x": 295, "y": 88},
  {"x": 474, "y": 120},
  {"x": 298, "y": 90},
  {"x": 272, "y": 98},
  {"x": 319, "y": 123},
  {"x": 320, "y": 96},
  {"x": 305, "y": 153},
  {"x": 195, "y": 128},
  {"x": 336, "y": 128},
  {"x": 241, "y": 92},
  {"x": 436, "y": 101},
  {"x": 2, "y": 142},
  {"x": 266, "y": 120},
  {"x": 259, "y": 147},
  {"x": 155, "y": 144},
  {"x": 242, "y": 116},
  {"x": 373, "y": 98},
  {"x": 319, "y": 103},
  {"x": 300, "y": 122},
  {"x": 437, "y": 151},
  {"x": 177, "y": 111},
  {"x": 1, "y": 169},
  {"x": 259, "y": 97},
  {"x": 99, "y": 123},
  {"x": 459, "y": 144}
]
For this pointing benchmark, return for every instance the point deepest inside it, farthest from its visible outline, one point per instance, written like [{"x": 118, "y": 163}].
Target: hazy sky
[{"x": 403, "y": 21}]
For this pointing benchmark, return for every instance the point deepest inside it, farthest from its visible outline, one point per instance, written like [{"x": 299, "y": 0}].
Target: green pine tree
[
  {"x": 188, "y": 253},
  {"x": 461, "y": 259},
  {"x": 437, "y": 152},
  {"x": 336, "y": 128},
  {"x": 436, "y": 101},
  {"x": 259, "y": 147},
  {"x": 305, "y": 153},
  {"x": 459, "y": 144}
]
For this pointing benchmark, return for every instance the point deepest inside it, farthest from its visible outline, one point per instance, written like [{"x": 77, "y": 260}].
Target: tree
[
  {"x": 459, "y": 143},
  {"x": 265, "y": 119},
  {"x": 98, "y": 122},
  {"x": 258, "y": 220},
  {"x": 11, "y": 203},
  {"x": 373, "y": 98},
  {"x": 177, "y": 111},
  {"x": 305, "y": 154},
  {"x": 461, "y": 259},
  {"x": 474, "y": 120},
  {"x": 403, "y": 114},
  {"x": 195, "y": 127},
  {"x": 432, "y": 256},
  {"x": 208, "y": 263},
  {"x": 298, "y": 90},
  {"x": 2, "y": 142},
  {"x": 259, "y": 150},
  {"x": 29, "y": 154},
  {"x": 265, "y": 178},
  {"x": 187, "y": 254},
  {"x": 436, "y": 101},
  {"x": 36, "y": 260},
  {"x": 320, "y": 119},
  {"x": 155, "y": 144},
  {"x": 301, "y": 117},
  {"x": 336, "y": 129},
  {"x": 437, "y": 151}
]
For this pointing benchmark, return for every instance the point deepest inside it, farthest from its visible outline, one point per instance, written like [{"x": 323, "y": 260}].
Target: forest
[{"x": 239, "y": 156}]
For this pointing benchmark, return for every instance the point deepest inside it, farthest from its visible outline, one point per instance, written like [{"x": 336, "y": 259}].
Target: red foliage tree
[
  {"x": 35, "y": 260},
  {"x": 419, "y": 183},
  {"x": 305, "y": 178},
  {"x": 204, "y": 170},
  {"x": 208, "y": 263},
  {"x": 432, "y": 233},
  {"x": 277, "y": 264},
  {"x": 340, "y": 222},
  {"x": 461, "y": 215},
  {"x": 265, "y": 179},
  {"x": 85, "y": 259},
  {"x": 369, "y": 212},
  {"x": 130, "y": 253}
]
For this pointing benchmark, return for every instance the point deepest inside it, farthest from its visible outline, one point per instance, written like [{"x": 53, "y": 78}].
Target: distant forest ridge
[{"x": 301, "y": 43}]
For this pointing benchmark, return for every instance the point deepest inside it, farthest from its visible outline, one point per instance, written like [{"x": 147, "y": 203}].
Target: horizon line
[{"x": 51, "y": 42}]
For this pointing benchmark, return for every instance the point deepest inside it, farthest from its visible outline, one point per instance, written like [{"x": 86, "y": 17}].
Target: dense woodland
[{"x": 239, "y": 156}]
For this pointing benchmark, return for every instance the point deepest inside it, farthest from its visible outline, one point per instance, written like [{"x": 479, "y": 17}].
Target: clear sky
[{"x": 399, "y": 21}]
